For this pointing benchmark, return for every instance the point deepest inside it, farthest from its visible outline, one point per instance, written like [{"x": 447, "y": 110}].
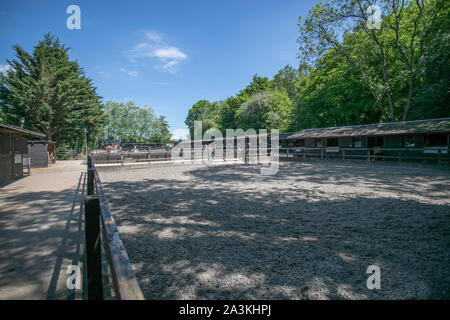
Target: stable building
[
  {"x": 421, "y": 140},
  {"x": 14, "y": 151}
]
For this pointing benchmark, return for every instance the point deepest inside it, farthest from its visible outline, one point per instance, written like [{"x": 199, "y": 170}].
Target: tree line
[
  {"x": 125, "y": 122},
  {"x": 54, "y": 96},
  {"x": 361, "y": 61}
]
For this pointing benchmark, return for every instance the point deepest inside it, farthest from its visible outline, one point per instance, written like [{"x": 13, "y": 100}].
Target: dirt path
[
  {"x": 40, "y": 232},
  {"x": 309, "y": 232}
]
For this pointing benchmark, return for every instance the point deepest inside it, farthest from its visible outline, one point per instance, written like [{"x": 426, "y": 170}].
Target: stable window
[
  {"x": 435, "y": 140},
  {"x": 332, "y": 142},
  {"x": 356, "y": 142},
  {"x": 345, "y": 142},
  {"x": 319, "y": 143},
  {"x": 310, "y": 143},
  {"x": 375, "y": 142},
  {"x": 300, "y": 143},
  {"x": 409, "y": 142}
]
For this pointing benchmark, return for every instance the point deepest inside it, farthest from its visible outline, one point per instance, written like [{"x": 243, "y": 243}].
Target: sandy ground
[
  {"x": 309, "y": 232},
  {"x": 41, "y": 232}
]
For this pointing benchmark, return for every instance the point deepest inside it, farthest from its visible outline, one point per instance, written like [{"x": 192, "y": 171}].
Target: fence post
[
  {"x": 93, "y": 249},
  {"x": 343, "y": 154},
  {"x": 90, "y": 177},
  {"x": 321, "y": 154},
  {"x": 246, "y": 151}
]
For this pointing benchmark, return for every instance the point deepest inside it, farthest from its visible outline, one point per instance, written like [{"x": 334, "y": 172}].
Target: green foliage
[
  {"x": 161, "y": 133},
  {"x": 291, "y": 81},
  {"x": 266, "y": 110},
  {"x": 258, "y": 84},
  {"x": 387, "y": 60},
  {"x": 329, "y": 101},
  {"x": 205, "y": 111},
  {"x": 52, "y": 94},
  {"x": 231, "y": 114},
  {"x": 253, "y": 112},
  {"x": 432, "y": 99},
  {"x": 128, "y": 123}
]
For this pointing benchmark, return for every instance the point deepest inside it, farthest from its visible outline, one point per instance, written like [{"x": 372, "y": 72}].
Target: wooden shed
[
  {"x": 13, "y": 150},
  {"x": 42, "y": 153}
]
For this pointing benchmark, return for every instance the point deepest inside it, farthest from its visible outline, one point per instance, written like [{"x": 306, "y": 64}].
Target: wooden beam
[
  {"x": 93, "y": 249},
  {"x": 90, "y": 182},
  {"x": 11, "y": 147}
]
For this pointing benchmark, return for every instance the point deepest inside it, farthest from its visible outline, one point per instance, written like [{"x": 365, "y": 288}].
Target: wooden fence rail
[
  {"x": 102, "y": 157},
  {"x": 244, "y": 151},
  {"x": 100, "y": 224},
  {"x": 438, "y": 155}
]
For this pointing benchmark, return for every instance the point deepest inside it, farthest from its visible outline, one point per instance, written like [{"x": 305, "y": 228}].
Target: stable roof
[
  {"x": 441, "y": 125},
  {"x": 17, "y": 130}
]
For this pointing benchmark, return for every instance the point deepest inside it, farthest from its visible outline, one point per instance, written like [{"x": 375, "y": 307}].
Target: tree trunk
[
  {"x": 386, "y": 83},
  {"x": 410, "y": 96}
]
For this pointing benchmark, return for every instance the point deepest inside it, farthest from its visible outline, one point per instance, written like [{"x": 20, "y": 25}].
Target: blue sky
[{"x": 164, "y": 54}]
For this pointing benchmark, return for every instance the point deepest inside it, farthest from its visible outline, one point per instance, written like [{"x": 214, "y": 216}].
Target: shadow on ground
[
  {"x": 309, "y": 232},
  {"x": 41, "y": 233}
]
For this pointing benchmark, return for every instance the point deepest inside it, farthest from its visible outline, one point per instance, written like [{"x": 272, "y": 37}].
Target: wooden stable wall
[
  {"x": 12, "y": 148},
  {"x": 38, "y": 154},
  {"x": 6, "y": 158},
  {"x": 20, "y": 148}
]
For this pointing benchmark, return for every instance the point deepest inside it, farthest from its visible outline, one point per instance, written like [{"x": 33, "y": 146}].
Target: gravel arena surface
[{"x": 308, "y": 232}]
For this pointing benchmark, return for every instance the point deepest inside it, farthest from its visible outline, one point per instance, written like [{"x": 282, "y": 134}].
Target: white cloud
[
  {"x": 180, "y": 134},
  {"x": 170, "y": 66},
  {"x": 168, "y": 56},
  {"x": 170, "y": 53},
  {"x": 4, "y": 68},
  {"x": 130, "y": 73},
  {"x": 153, "y": 36}
]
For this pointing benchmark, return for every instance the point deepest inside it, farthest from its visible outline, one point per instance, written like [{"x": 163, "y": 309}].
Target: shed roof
[
  {"x": 41, "y": 141},
  {"x": 285, "y": 135},
  {"x": 377, "y": 129},
  {"x": 17, "y": 130}
]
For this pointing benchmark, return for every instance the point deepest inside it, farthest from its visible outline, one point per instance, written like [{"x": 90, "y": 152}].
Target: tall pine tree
[{"x": 52, "y": 93}]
